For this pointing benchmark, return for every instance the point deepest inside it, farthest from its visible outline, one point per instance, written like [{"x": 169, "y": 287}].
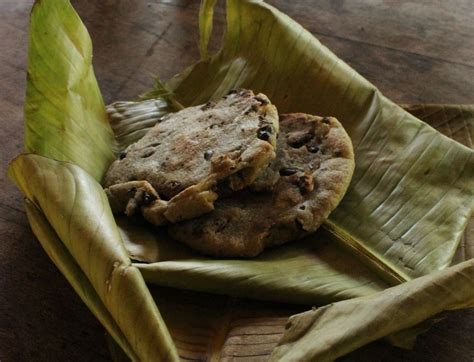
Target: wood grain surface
[{"x": 414, "y": 51}]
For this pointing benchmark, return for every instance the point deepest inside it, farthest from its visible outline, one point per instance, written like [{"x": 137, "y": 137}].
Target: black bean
[
  {"x": 148, "y": 153},
  {"x": 312, "y": 148},
  {"x": 304, "y": 183},
  {"x": 147, "y": 199},
  {"x": 208, "y": 105},
  {"x": 122, "y": 155},
  {"x": 261, "y": 100},
  {"x": 208, "y": 154},
  {"x": 263, "y": 135},
  {"x": 154, "y": 144},
  {"x": 299, "y": 225},
  {"x": 288, "y": 171},
  {"x": 265, "y": 132},
  {"x": 299, "y": 142}
]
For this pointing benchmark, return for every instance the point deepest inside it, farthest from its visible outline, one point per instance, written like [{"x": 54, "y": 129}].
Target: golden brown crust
[
  {"x": 313, "y": 169},
  {"x": 183, "y": 157}
]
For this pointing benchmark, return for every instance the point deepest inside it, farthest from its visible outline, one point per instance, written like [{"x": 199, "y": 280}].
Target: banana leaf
[
  {"x": 408, "y": 176},
  {"x": 65, "y": 117},
  {"x": 254, "y": 331},
  {"x": 72, "y": 272},
  {"x": 329, "y": 332},
  {"x": 310, "y": 269},
  {"x": 449, "y": 291},
  {"x": 313, "y": 271},
  {"x": 457, "y": 122},
  {"x": 76, "y": 207},
  {"x": 454, "y": 120}
]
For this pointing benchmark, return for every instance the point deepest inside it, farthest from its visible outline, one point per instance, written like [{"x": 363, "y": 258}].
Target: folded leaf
[
  {"x": 320, "y": 276},
  {"x": 409, "y": 178},
  {"x": 455, "y": 121},
  {"x": 206, "y": 14},
  {"x": 76, "y": 207},
  {"x": 313, "y": 271},
  {"x": 147, "y": 244},
  {"x": 66, "y": 264},
  {"x": 412, "y": 191},
  {"x": 65, "y": 115},
  {"x": 329, "y": 332},
  {"x": 130, "y": 121},
  {"x": 406, "y": 338}
]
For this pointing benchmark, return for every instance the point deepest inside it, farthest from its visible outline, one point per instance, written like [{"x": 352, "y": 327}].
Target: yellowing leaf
[
  {"x": 453, "y": 120},
  {"x": 405, "y": 212},
  {"x": 457, "y": 122},
  {"x": 73, "y": 273},
  {"x": 412, "y": 191},
  {"x": 329, "y": 332},
  {"x": 77, "y": 209},
  {"x": 65, "y": 115},
  {"x": 313, "y": 271}
]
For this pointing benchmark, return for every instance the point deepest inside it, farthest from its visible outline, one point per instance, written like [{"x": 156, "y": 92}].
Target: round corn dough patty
[
  {"x": 172, "y": 172},
  {"x": 313, "y": 168}
]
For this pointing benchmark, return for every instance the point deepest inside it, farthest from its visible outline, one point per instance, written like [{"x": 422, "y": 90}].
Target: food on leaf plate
[
  {"x": 242, "y": 180},
  {"x": 218, "y": 159},
  {"x": 172, "y": 172}
]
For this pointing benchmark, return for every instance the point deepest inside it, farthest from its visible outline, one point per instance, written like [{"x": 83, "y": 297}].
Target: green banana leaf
[
  {"x": 329, "y": 332},
  {"x": 65, "y": 116},
  {"x": 399, "y": 194},
  {"x": 457, "y": 122},
  {"x": 72, "y": 272},
  {"x": 130, "y": 121},
  {"x": 453, "y": 120},
  {"x": 188, "y": 343},
  {"x": 313, "y": 271},
  {"x": 317, "y": 277},
  {"x": 194, "y": 318},
  {"x": 408, "y": 177},
  {"x": 77, "y": 209}
]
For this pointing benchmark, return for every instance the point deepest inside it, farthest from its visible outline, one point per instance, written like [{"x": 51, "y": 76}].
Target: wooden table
[{"x": 414, "y": 51}]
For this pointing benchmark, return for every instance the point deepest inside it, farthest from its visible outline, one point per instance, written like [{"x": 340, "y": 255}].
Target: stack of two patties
[{"x": 232, "y": 177}]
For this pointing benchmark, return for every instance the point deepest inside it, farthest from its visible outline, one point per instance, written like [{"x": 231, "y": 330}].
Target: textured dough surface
[
  {"x": 313, "y": 168},
  {"x": 172, "y": 172}
]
